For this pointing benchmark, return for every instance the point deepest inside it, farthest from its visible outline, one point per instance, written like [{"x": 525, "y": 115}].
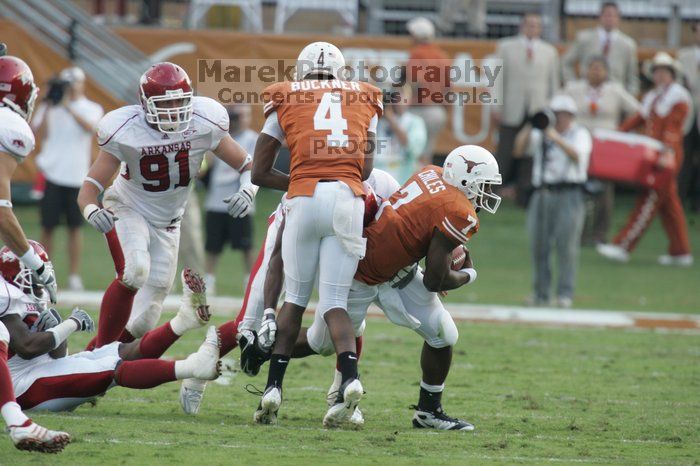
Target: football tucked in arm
[{"x": 459, "y": 257}]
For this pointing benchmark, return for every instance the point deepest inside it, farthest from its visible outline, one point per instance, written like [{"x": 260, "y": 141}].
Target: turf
[
  {"x": 501, "y": 254},
  {"x": 536, "y": 395}
]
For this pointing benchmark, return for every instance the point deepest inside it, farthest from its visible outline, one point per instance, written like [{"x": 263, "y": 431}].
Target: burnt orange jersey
[
  {"x": 325, "y": 124},
  {"x": 404, "y": 228}
]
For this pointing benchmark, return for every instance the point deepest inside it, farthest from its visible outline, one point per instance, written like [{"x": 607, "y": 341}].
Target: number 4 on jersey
[{"x": 329, "y": 117}]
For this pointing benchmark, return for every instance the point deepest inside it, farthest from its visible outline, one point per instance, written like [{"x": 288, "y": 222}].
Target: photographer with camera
[
  {"x": 560, "y": 149},
  {"x": 65, "y": 123}
]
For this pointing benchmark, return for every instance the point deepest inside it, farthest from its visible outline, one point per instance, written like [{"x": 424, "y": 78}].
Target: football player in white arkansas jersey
[
  {"x": 159, "y": 146},
  {"x": 17, "y": 96},
  {"x": 250, "y": 322},
  {"x": 46, "y": 378}
]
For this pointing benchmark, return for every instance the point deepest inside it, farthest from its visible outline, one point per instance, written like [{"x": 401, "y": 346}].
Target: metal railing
[{"x": 108, "y": 59}]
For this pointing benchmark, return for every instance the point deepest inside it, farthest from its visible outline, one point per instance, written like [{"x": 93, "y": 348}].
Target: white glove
[
  {"x": 46, "y": 277},
  {"x": 101, "y": 219},
  {"x": 268, "y": 330},
  {"x": 241, "y": 203},
  {"x": 49, "y": 318},
  {"x": 83, "y": 319}
]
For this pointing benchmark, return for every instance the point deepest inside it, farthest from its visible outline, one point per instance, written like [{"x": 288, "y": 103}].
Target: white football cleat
[
  {"x": 193, "y": 312},
  {"x": 205, "y": 364},
  {"x": 269, "y": 406},
  {"x": 332, "y": 394},
  {"x": 357, "y": 420},
  {"x": 438, "y": 420},
  {"x": 33, "y": 437},
  {"x": 682, "y": 260},
  {"x": 191, "y": 395},
  {"x": 340, "y": 413},
  {"x": 613, "y": 252}
]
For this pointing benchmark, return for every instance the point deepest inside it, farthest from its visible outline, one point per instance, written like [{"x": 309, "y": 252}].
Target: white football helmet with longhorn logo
[{"x": 473, "y": 170}]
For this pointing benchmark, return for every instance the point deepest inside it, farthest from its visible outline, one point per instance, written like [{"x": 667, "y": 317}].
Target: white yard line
[{"x": 230, "y": 305}]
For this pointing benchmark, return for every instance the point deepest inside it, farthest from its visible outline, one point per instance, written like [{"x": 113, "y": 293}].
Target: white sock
[
  {"x": 183, "y": 369},
  {"x": 432, "y": 388},
  {"x": 13, "y": 414},
  {"x": 179, "y": 327}
]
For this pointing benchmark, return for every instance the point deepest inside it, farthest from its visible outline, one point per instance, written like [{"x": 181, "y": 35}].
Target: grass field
[
  {"x": 500, "y": 251},
  {"x": 535, "y": 395}
]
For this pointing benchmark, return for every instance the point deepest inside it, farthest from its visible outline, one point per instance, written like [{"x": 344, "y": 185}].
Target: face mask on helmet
[
  {"x": 24, "y": 280},
  {"x": 170, "y": 113},
  {"x": 485, "y": 198}
]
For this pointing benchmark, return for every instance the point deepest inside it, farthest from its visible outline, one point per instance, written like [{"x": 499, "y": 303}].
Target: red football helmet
[
  {"x": 166, "y": 96},
  {"x": 372, "y": 202},
  {"x": 13, "y": 271},
  {"x": 17, "y": 88}
]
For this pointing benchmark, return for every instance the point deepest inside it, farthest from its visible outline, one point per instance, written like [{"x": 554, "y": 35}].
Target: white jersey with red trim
[
  {"x": 157, "y": 168},
  {"x": 16, "y": 137},
  {"x": 14, "y": 302}
]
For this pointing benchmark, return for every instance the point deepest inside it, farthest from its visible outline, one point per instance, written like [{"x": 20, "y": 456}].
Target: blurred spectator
[
  {"x": 65, "y": 123},
  {"x": 601, "y": 104},
  {"x": 663, "y": 114},
  {"x": 425, "y": 53},
  {"x": 530, "y": 79},
  {"x": 475, "y": 10},
  {"x": 689, "y": 178},
  {"x": 221, "y": 228},
  {"x": 561, "y": 152},
  {"x": 619, "y": 49},
  {"x": 100, "y": 12},
  {"x": 401, "y": 138}
]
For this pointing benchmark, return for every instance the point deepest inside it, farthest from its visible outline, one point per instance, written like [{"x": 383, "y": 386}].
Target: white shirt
[
  {"x": 157, "y": 168},
  {"x": 16, "y": 137},
  {"x": 559, "y": 167},
  {"x": 224, "y": 180},
  {"x": 66, "y": 152}
]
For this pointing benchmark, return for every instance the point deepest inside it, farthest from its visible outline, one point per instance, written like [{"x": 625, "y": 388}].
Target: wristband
[
  {"x": 472, "y": 274},
  {"x": 5, "y": 203},
  {"x": 97, "y": 184},
  {"x": 89, "y": 210},
  {"x": 31, "y": 259},
  {"x": 62, "y": 331},
  {"x": 246, "y": 183}
]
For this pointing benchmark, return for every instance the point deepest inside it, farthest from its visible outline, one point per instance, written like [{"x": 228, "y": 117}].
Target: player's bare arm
[
  {"x": 101, "y": 173},
  {"x": 264, "y": 174},
  {"x": 439, "y": 275},
  {"x": 29, "y": 344},
  {"x": 230, "y": 152},
  {"x": 11, "y": 232}
]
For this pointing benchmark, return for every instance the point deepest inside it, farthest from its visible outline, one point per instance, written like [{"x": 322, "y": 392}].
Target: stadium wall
[{"x": 212, "y": 44}]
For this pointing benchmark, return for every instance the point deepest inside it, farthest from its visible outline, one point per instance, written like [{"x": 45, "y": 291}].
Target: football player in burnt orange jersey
[
  {"x": 434, "y": 212},
  {"x": 329, "y": 125}
]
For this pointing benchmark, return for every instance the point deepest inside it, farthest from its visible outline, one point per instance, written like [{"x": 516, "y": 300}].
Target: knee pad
[
  {"x": 4, "y": 334},
  {"x": 448, "y": 329},
  {"x": 146, "y": 311},
  {"x": 137, "y": 266},
  {"x": 447, "y": 334}
]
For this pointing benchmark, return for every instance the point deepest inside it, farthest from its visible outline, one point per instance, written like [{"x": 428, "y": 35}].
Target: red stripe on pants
[
  {"x": 65, "y": 386},
  {"x": 666, "y": 203}
]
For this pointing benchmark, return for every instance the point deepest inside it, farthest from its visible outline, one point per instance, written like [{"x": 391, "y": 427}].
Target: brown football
[{"x": 459, "y": 256}]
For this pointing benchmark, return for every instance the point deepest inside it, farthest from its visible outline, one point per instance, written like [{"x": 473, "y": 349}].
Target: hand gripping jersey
[
  {"x": 16, "y": 137},
  {"x": 325, "y": 124},
  {"x": 405, "y": 223},
  {"x": 157, "y": 168}
]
